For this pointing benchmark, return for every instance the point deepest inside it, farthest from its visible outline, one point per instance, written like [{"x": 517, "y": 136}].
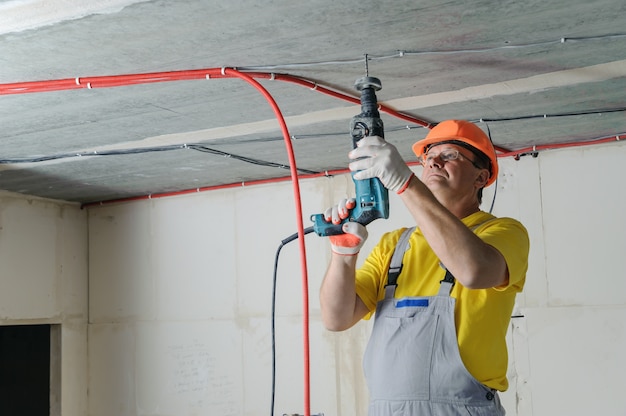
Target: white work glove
[
  {"x": 380, "y": 159},
  {"x": 350, "y": 243}
]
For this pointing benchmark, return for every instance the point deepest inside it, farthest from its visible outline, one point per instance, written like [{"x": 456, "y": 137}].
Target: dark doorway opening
[{"x": 25, "y": 370}]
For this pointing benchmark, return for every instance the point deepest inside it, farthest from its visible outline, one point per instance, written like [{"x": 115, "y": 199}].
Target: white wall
[
  {"x": 180, "y": 297},
  {"x": 43, "y": 272},
  {"x": 571, "y": 344}
]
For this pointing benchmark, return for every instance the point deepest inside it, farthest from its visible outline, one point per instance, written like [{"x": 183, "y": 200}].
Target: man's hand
[
  {"x": 379, "y": 159},
  {"x": 350, "y": 243}
]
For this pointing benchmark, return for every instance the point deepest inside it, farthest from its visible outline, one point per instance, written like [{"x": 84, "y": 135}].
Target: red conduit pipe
[
  {"x": 314, "y": 86},
  {"x": 534, "y": 149},
  {"x": 109, "y": 81},
  {"x": 296, "y": 192},
  {"x": 212, "y": 188}
]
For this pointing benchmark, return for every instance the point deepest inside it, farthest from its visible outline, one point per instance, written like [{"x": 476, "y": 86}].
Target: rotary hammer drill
[{"x": 372, "y": 198}]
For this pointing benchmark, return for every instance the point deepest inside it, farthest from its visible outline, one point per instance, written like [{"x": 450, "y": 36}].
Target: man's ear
[{"x": 482, "y": 178}]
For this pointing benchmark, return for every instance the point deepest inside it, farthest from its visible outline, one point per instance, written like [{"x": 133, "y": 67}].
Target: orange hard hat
[{"x": 462, "y": 133}]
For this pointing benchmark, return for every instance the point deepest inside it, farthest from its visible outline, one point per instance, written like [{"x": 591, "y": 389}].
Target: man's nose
[{"x": 435, "y": 161}]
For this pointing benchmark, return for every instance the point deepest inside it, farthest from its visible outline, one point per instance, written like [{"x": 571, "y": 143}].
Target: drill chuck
[{"x": 368, "y": 87}]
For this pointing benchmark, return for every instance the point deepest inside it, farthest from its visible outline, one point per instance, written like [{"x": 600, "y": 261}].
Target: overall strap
[
  {"x": 395, "y": 267},
  {"x": 446, "y": 285}
]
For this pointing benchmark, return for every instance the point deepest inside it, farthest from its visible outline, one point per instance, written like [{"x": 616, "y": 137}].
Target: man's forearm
[
  {"x": 475, "y": 264},
  {"x": 338, "y": 297}
]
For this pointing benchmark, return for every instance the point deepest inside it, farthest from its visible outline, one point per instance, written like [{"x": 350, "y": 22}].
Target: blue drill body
[{"x": 372, "y": 198}]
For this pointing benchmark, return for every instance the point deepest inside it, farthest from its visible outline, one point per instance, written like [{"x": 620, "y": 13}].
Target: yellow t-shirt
[{"x": 482, "y": 316}]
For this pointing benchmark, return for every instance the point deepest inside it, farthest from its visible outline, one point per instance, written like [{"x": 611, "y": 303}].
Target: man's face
[{"x": 451, "y": 169}]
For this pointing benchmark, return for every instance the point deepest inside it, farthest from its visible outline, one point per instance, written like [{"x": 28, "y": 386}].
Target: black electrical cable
[
  {"x": 556, "y": 115},
  {"x": 246, "y": 159},
  {"x": 197, "y": 147},
  {"x": 408, "y": 53},
  {"x": 597, "y": 111},
  {"x": 36, "y": 159},
  {"x": 202, "y": 148},
  {"x": 495, "y": 188},
  {"x": 273, "y": 317}
]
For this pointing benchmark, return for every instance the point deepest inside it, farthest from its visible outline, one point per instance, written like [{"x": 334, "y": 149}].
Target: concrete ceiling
[{"x": 534, "y": 73}]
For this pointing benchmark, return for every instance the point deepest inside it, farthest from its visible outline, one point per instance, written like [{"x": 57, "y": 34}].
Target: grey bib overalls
[{"x": 412, "y": 362}]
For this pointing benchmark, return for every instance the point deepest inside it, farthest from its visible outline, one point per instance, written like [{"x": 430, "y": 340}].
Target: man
[{"x": 442, "y": 307}]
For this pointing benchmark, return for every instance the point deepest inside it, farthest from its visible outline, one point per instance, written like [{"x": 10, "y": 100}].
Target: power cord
[{"x": 273, "y": 318}]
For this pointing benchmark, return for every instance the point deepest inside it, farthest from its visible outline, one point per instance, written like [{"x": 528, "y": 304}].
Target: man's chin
[{"x": 434, "y": 181}]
